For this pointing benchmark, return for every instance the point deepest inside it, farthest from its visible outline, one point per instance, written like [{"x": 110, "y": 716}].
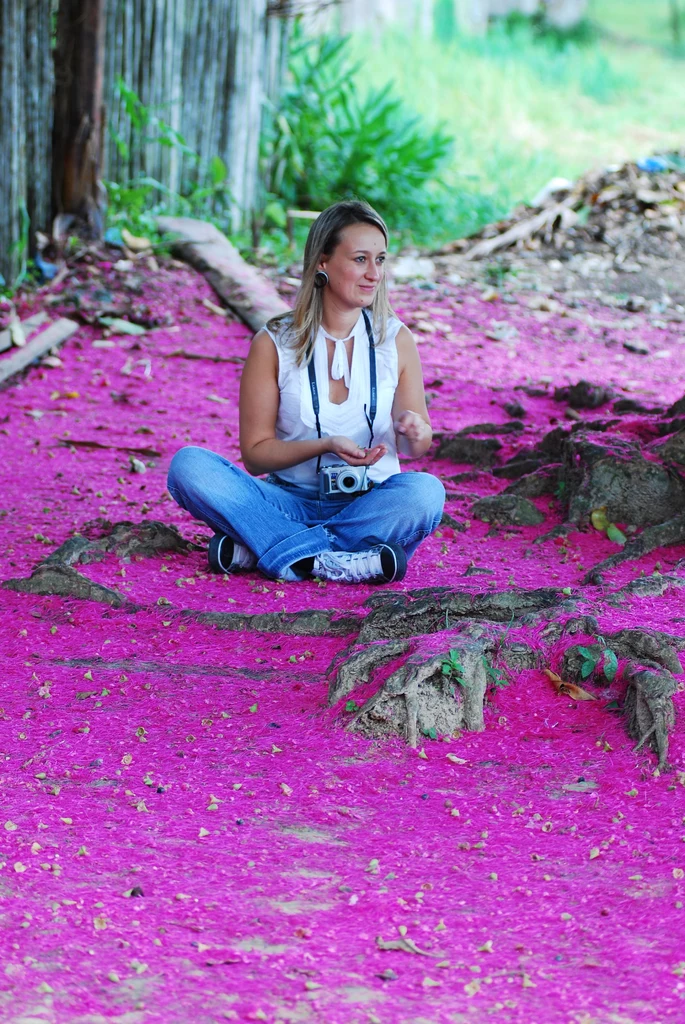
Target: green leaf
[
  {"x": 276, "y": 214},
  {"x": 253, "y": 708},
  {"x": 218, "y": 171},
  {"x": 119, "y": 326},
  {"x": 352, "y": 705},
  {"x": 610, "y": 665},
  {"x": 614, "y": 534}
]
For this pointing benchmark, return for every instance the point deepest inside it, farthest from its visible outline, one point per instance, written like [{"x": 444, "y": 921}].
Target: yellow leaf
[
  {"x": 455, "y": 760},
  {"x": 429, "y": 983},
  {"x": 100, "y": 923},
  {"x": 594, "y": 852},
  {"x": 472, "y": 987},
  {"x": 527, "y": 983},
  {"x": 423, "y": 755},
  {"x": 10, "y": 826},
  {"x": 678, "y": 873},
  {"x": 134, "y": 242},
  {"x": 599, "y": 519},
  {"x": 286, "y": 789},
  {"x": 203, "y": 832},
  {"x": 486, "y": 947},
  {"x": 19, "y": 867}
]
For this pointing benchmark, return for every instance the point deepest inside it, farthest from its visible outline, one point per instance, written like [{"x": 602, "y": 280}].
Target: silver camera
[{"x": 343, "y": 479}]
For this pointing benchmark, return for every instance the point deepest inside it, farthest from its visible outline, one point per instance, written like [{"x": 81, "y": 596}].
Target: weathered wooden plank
[
  {"x": 13, "y": 216},
  {"x": 54, "y": 335},
  {"x": 252, "y": 297},
  {"x": 38, "y": 93},
  {"x": 27, "y": 326}
]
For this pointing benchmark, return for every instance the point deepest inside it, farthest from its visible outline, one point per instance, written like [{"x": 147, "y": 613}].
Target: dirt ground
[{"x": 190, "y": 833}]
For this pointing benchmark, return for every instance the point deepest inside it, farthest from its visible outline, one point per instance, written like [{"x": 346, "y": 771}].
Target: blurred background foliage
[{"x": 444, "y": 133}]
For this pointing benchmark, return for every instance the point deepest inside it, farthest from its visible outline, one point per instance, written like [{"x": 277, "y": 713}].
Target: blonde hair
[{"x": 324, "y": 237}]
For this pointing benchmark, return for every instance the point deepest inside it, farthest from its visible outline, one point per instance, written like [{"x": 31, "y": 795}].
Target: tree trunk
[
  {"x": 13, "y": 214},
  {"x": 77, "y": 133}
]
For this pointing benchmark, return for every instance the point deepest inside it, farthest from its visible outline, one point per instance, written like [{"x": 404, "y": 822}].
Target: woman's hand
[
  {"x": 351, "y": 453},
  {"x": 414, "y": 435}
]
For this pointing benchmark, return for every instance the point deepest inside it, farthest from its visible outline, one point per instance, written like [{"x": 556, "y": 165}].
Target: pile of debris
[{"x": 630, "y": 212}]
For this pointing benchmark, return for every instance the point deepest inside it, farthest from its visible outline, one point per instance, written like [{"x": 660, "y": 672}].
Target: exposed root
[
  {"x": 649, "y": 707},
  {"x": 126, "y": 540},
  {"x": 664, "y": 534},
  {"x": 64, "y": 581},
  {"x": 312, "y": 622},
  {"x": 431, "y": 611},
  {"x": 353, "y": 667},
  {"x": 421, "y": 697}
]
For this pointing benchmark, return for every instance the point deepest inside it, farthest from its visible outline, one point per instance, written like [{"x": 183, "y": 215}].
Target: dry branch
[
  {"x": 57, "y": 333},
  {"x": 250, "y": 296}
]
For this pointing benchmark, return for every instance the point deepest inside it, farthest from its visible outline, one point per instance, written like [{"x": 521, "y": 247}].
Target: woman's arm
[
  {"x": 410, "y": 416},
  {"x": 261, "y": 450}
]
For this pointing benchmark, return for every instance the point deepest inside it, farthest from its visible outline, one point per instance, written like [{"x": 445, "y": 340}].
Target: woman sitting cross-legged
[{"x": 329, "y": 394}]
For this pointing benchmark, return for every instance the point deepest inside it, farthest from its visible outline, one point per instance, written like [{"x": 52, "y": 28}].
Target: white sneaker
[
  {"x": 385, "y": 563},
  {"x": 226, "y": 555}
]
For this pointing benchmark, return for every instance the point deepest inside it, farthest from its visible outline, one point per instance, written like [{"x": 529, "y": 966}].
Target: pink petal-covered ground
[{"x": 544, "y": 877}]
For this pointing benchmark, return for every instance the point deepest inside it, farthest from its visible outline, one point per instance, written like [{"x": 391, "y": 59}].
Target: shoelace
[{"x": 356, "y": 566}]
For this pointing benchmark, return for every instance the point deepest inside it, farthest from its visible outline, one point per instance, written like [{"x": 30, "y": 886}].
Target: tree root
[
  {"x": 649, "y": 707},
  {"x": 64, "y": 581},
  {"x": 125, "y": 540},
  {"x": 353, "y": 667},
  {"x": 431, "y": 610},
  {"x": 420, "y": 697},
  {"x": 663, "y": 535}
]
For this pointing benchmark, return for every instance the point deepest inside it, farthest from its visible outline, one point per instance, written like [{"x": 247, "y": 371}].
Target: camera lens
[{"x": 348, "y": 482}]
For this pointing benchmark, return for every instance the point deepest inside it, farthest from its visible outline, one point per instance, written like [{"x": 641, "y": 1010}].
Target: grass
[{"x": 523, "y": 110}]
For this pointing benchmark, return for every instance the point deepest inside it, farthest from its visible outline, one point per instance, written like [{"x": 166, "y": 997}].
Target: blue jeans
[{"x": 282, "y": 523}]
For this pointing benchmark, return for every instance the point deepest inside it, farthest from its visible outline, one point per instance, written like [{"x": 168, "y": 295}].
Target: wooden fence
[
  {"x": 26, "y": 87},
  {"x": 205, "y": 69}
]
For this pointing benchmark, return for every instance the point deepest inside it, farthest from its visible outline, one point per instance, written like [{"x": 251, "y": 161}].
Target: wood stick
[
  {"x": 182, "y": 353},
  {"x": 251, "y": 296},
  {"x": 150, "y": 453},
  {"x": 54, "y": 335},
  {"x": 27, "y": 326}
]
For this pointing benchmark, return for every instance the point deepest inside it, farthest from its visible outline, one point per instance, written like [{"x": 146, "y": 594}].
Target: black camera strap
[{"x": 373, "y": 400}]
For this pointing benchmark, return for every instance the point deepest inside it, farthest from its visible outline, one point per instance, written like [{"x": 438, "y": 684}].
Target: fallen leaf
[
  {"x": 403, "y": 945},
  {"x": 17, "y": 335},
  {"x": 567, "y": 689},
  {"x": 119, "y": 326},
  {"x": 286, "y": 789},
  {"x": 134, "y": 242}
]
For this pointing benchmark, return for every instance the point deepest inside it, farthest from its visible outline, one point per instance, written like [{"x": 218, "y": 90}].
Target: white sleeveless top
[{"x": 296, "y": 420}]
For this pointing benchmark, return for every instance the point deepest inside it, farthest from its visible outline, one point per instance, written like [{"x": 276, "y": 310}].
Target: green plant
[
  {"x": 138, "y": 202},
  {"x": 330, "y": 139},
  {"x": 495, "y": 675},
  {"x": 593, "y": 658},
  {"x": 452, "y": 668}
]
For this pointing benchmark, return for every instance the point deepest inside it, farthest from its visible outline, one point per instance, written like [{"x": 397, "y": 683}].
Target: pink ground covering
[{"x": 543, "y": 879}]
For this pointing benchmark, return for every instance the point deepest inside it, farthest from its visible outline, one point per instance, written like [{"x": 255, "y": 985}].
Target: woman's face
[{"x": 356, "y": 266}]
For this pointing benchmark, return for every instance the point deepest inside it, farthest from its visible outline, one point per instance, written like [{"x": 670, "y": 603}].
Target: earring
[{"x": 320, "y": 279}]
